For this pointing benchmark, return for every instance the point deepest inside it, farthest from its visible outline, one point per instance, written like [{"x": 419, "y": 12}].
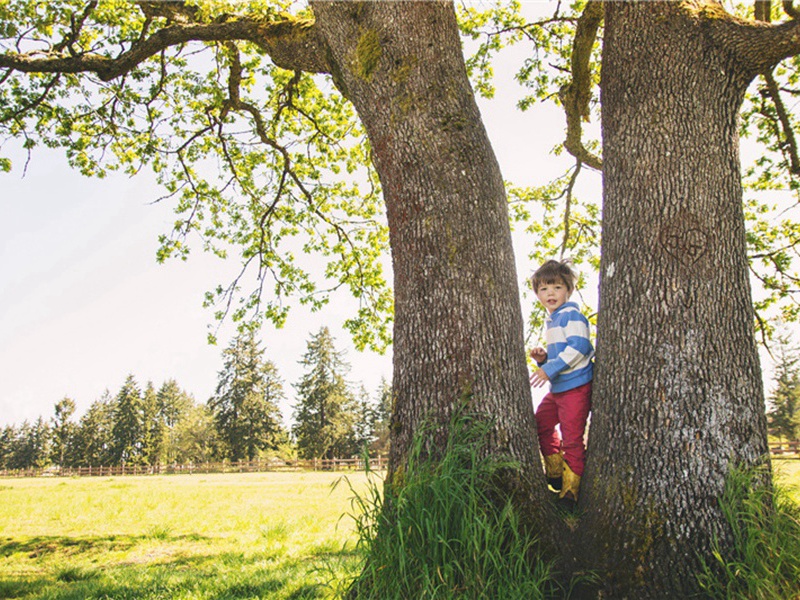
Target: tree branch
[
  {"x": 756, "y": 45},
  {"x": 576, "y": 95},
  {"x": 292, "y": 44}
]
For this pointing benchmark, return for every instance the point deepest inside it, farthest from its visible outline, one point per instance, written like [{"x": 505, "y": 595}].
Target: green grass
[
  {"x": 447, "y": 532},
  {"x": 764, "y": 561},
  {"x": 227, "y": 536},
  {"x": 231, "y": 536}
]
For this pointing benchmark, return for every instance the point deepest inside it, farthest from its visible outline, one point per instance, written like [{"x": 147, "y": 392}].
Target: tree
[
  {"x": 174, "y": 405},
  {"x": 674, "y": 291},
  {"x": 30, "y": 446},
  {"x": 95, "y": 437},
  {"x": 7, "y": 436},
  {"x": 129, "y": 425},
  {"x": 194, "y": 438},
  {"x": 365, "y": 420},
  {"x": 784, "y": 413},
  {"x": 152, "y": 427},
  {"x": 325, "y": 413},
  {"x": 64, "y": 431},
  {"x": 383, "y": 416},
  {"x": 245, "y": 404}
]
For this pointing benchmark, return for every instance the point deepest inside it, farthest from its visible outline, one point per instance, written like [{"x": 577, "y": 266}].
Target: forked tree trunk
[
  {"x": 678, "y": 396},
  {"x": 458, "y": 325}
]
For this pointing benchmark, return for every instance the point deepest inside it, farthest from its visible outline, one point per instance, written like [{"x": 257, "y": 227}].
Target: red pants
[{"x": 570, "y": 409}]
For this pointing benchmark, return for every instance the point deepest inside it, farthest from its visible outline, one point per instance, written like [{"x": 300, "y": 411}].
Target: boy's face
[{"x": 553, "y": 295}]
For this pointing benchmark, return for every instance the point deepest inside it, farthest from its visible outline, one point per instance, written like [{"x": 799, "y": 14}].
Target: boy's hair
[{"x": 554, "y": 271}]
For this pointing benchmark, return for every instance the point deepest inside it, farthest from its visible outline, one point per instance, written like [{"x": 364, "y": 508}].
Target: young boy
[{"x": 567, "y": 365}]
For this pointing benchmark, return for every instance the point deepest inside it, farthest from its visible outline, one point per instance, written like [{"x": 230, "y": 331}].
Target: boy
[{"x": 567, "y": 365}]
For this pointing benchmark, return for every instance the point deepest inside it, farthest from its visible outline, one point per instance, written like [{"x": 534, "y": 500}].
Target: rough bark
[
  {"x": 678, "y": 397},
  {"x": 458, "y": 326}
]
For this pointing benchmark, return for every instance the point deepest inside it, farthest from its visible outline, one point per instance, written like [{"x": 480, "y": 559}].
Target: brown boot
[
  {"x": 568, "y": 497},
  {"x": 553, "y": 470}
]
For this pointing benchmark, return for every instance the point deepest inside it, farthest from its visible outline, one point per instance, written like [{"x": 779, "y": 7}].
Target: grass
[
  {"x": 226, "y": 536},
  {"x": 764, "y": 561},
  {"x": 447, "y": 532}
]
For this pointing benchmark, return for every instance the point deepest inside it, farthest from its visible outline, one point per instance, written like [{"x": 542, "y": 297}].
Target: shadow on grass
[
  {"x": 42, "y": 546},
  {"x": 220, "y": 576}
]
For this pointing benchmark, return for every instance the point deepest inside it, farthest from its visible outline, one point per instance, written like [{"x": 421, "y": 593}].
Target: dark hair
[{"x": 554, "y": 271}]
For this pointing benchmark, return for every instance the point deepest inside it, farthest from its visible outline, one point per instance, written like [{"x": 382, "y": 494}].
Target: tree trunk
[
  {"x": 458, "y": 325},
  {"x": 678, "y": 397}
]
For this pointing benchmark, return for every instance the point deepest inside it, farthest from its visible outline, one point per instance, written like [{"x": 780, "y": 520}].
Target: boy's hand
[
  {"x": 539, "y": 378},
  {"x": 539, "y": 355}
]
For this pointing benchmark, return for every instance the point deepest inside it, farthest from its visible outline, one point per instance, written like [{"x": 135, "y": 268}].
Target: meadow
[
  {"x": 217, "y": 536},
  {"x": 220, "y": 536}
]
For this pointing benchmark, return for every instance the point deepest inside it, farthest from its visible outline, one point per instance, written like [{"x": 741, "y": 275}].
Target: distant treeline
[{"x": 240, "y": 422}]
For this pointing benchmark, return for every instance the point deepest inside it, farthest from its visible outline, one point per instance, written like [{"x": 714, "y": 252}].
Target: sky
[{"x": 84, "y": 302}]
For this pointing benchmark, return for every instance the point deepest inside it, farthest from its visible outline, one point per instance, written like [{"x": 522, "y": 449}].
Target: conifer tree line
[{"x": 166, "y": 425}]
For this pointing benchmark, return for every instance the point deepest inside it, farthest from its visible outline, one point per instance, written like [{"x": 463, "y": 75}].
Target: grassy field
[{"x": 266, "y": 535}]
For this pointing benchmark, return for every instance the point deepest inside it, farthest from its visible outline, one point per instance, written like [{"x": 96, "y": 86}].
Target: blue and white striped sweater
[{"x": 569, "y": 349}]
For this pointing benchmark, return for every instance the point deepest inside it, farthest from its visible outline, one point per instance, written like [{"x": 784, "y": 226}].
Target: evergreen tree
[
  {"x": 364, "y": 424},
  {"x": 194, "y": 438},
  {"x": 245, "y": 405},
  {"x": 383, "y": 416},
  {"x": 94, "y": 440},
  {"x": 128, "y": 427},
  {"x": 174, "y": 406},
  {"x": 784, "y": 402},
  {"x": 7, "y": 436},
  {"x": 325, "y": 413},
  {"x": 152, "y": 430},
  {"x": 64, "y": 432},
  {"x": 30, "y": 448}
]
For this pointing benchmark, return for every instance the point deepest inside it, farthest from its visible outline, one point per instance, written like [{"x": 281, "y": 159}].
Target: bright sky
[{"x": 84, "y": 303}]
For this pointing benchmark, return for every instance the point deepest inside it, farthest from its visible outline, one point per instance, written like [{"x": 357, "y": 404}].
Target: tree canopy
[{"x": 266, "y": 161}]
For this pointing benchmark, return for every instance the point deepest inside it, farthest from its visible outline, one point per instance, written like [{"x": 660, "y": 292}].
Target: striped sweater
[{"x": 569, "y": 349}]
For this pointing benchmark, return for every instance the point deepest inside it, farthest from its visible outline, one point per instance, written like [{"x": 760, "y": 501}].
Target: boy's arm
[
  {"x": 573, "y": 342},
  {"x": 539, "y": 355}
]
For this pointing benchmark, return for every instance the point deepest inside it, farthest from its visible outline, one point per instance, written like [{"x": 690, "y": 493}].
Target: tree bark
[
  {"x": 678, "y": 398},
  {"x": 458, "y": 326}
]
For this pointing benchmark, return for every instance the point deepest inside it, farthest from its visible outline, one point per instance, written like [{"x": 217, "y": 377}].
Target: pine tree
[
  {"x": 95, "y": 436},
  {"x": 64, "y": 432},
  {"x": 364, "y": 425},
  {"x": 174, "y": 406},
  {"x": 784, "y": 402},
  {"x": 383, "y": 416},
  {"x": 152, "y": 430},
  {"x": 245, "y": 405},
  {"x": 30, "y": 448},
  {"x": 194, "y": 438},
  {"x": 128, "y": 424},
  {"x": 325, "y": 413},
  {"x": 7, "y": 436}
]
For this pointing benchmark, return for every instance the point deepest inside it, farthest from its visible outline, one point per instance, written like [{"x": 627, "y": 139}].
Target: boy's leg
[
  {"x": 546, "y": 421},
  {"x": 574, "y": 406},
  {"x": 550, "y": 441},
  {"x": 573, "y": 411}
]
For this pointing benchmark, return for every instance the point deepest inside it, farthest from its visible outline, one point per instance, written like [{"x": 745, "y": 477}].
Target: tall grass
[
  {"x": 764, "y": 563},
  {"x": 441, "y": 532},
  {"x": 176, "y": 537}
]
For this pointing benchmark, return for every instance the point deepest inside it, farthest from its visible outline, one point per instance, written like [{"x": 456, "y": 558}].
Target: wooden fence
[
  {"x": 317, "y": 464},
  {"x": 783, "y": 450}
]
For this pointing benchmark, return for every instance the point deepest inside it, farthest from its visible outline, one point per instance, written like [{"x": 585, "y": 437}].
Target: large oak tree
[{"x": 678, "y": 392}]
